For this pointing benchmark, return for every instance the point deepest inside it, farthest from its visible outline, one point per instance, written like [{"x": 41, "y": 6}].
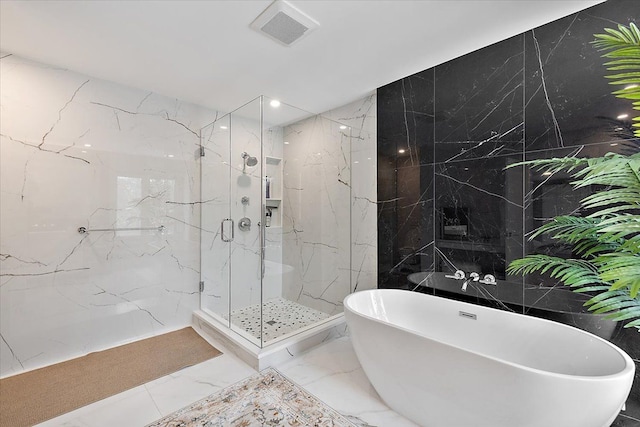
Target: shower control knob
[{"x": 244, "y": 224}]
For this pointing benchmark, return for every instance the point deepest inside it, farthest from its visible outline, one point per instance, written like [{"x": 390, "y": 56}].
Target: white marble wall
[
  {"x": 360, "y": 116},
  {"x": 79, "y": 151},
  {"x": 329, "y": 190}
]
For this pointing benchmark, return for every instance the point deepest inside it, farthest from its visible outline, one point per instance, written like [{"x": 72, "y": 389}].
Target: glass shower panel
[
  {"x": 307, "y": 210},
  {"x": 246, "y": 191},
  {"x": 276, "y": 220},
  {"x": 216, "y": 223}
]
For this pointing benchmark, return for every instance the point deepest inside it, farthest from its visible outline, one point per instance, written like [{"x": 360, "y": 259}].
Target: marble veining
[
  {"x": 316, "y": 213},
  {"x": 78, "y": 151}
]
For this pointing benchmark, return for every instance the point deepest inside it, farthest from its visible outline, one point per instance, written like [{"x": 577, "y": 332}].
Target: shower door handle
[{"x": 224, "y": 239}]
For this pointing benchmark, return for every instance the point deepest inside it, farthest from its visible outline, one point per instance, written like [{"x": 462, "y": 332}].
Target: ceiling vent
[{"x": 283, "y": 23}]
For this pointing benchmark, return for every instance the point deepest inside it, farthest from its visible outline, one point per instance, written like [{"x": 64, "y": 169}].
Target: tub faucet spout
[{"x": 472, "y": 277}]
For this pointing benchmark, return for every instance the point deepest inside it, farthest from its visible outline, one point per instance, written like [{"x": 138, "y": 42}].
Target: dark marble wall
[{"x": 445, "y": 136}]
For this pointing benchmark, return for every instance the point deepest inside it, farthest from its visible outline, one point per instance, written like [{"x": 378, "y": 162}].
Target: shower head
[
  {"x": 251, "y": 161},
  {"x": 248, "y": 161}
]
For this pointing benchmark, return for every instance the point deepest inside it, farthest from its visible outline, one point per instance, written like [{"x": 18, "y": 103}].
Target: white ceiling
[{"x": 204, "y": 51}]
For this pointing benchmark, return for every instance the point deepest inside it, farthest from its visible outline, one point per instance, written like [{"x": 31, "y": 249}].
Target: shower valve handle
[
  {"x": 458, "y": 275},
  {"x": 244, "y": 224}
]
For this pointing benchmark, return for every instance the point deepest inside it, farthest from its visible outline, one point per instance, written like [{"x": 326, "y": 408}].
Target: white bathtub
[{"x": 433, "y": 362}]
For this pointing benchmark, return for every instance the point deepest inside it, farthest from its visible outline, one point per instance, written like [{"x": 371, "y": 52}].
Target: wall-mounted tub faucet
[{"x": 472, "y": 277}]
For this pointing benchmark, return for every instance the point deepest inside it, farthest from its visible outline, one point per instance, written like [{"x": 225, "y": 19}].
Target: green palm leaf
[{"x": 623, "y": 46}]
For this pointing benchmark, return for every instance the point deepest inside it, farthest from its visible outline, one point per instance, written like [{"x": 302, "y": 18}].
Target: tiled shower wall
[
  {"x": 445, "y": 136},
  {"x": 327, "y": 158}
]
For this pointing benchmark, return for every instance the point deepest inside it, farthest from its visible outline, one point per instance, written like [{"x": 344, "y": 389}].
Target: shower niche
[
  {"x": 273, "y": 191},
  {"x": 275, "y": 222}
]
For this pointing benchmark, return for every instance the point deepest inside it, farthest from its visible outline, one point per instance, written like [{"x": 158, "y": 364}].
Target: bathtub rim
[{"x": 628, "y": 369}]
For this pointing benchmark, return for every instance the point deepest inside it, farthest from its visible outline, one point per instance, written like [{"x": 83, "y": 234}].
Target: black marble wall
[{"x": 445, "y": 136}]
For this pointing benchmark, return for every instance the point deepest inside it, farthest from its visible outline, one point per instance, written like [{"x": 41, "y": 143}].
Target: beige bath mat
[{"x": 36, "y": 396}]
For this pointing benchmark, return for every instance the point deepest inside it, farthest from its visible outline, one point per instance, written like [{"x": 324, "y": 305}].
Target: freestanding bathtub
[{"x": 445, "y": 363}]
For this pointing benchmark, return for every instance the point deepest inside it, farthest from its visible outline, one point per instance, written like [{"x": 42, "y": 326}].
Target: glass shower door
[{"x": 231, "y": 209}]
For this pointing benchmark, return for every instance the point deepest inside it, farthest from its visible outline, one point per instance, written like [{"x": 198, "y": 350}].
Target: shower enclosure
[{"x": 275, "y": 220}]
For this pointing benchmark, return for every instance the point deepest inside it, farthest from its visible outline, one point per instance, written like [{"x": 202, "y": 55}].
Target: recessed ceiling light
[
  {"x": 630, "y": 87},
  {"x": 622, "y": 116},
  {"x": 87, "y": 145},
  {"x": 343, "y": 127},
  {"x": 274, "y": 103},
  {"x": 84, "y": 151},
  {"x": 356, "y": 161},
  {"x": 401, "y": 151},
  {"x": 368, "y": 158},
  {"x": 223, "y": 127},
  {"x": 169, "y": 155},
  {"x": 286, "y": 143}
]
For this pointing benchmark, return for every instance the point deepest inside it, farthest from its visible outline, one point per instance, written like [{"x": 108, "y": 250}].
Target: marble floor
[
  {"x": 330, "y": 372},
  {"x": 280, "y": 317}
]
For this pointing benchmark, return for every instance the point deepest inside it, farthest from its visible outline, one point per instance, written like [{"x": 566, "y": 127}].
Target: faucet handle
[
  {"x": 475, "y": 276},
  {"x": 458, "y": 275},
  {"x": 489, "y": 279}
]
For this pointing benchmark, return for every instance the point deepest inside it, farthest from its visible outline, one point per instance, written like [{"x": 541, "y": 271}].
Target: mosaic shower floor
[{"x": 280, "y": 317}]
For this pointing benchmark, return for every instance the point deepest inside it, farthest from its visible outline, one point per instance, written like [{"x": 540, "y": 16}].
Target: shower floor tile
[{"x": 280, "y": 316}]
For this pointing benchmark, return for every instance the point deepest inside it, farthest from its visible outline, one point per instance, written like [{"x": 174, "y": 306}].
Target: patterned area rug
[{"x": 265, "y": 399}]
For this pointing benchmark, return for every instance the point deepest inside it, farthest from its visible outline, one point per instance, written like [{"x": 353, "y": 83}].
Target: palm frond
[
  {"x": 619, "y": 306},
  {"x": 574, "y": 273},
  {"x": 581, "y": 232},
  {"x": 623, "y": 47},
  {"x": 553, "y": 165},
  {"x": 622, "y": 270}
]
